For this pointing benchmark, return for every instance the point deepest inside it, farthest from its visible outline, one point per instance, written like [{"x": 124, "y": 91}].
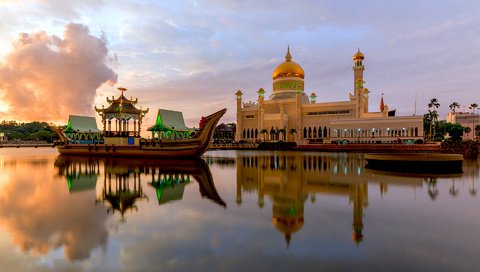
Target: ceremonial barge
[{"x": 120, "y": 136}]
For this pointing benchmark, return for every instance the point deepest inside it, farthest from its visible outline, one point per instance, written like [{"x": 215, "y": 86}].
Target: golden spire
[{"x": 288, "y": 56}]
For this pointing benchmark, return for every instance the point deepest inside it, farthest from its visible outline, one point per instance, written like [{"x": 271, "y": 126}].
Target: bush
[{"x": 438, "y": 136}]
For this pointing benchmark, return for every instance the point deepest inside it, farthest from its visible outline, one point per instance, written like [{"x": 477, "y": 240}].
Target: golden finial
[
  {"x": 122, "y": 89},
  {"x": 288, "y": 56},
  {"x": 358, "y": 55}
]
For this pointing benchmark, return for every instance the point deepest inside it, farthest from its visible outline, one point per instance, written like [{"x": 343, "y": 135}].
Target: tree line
[
  {"x": 32, "y": 131},
  {"x": 437, "y": 130}
]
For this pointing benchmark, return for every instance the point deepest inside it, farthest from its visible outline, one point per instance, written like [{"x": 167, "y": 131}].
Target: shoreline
[{"x": 26, "y": 145}]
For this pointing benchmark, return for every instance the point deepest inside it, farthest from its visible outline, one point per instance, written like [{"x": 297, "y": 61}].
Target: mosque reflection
[
  {"x": 289, "y": 179},
  {"x": 122, "y": 184}
]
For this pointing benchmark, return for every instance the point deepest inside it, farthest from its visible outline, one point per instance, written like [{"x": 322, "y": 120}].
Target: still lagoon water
[{"x": 233, "y": 211}]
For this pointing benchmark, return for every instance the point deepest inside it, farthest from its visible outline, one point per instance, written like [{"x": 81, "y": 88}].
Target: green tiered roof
[
  {"x": 168, "y": 120},
  {"x": 81, "y": 124}
]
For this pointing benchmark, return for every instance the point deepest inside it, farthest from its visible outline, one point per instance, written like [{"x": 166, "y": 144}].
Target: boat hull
[
  {"x": 158, "y": 151},
  {"x": 416, "y": 162}
]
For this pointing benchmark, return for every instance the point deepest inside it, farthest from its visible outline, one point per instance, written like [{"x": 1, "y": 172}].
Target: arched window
[
  {"x": 325, "y": 132},
  {"x": 320, "y": 132},
  {"x": 305, "y": 132},
  {"x": 244, "y": 133},
  {"x": 248, "y": 133},
  {"x": 256, "y": 133},
  {"x": 416, "y": 131},
  {"x": 314, "y": 132},
  {"x": 309, "y": 132}
]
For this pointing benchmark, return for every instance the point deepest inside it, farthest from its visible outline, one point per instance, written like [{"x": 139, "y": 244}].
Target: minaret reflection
[{"x": 289, "y": 179}]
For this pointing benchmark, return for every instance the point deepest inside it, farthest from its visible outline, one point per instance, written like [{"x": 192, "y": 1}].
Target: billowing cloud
[{"x": 47, "y": 77}]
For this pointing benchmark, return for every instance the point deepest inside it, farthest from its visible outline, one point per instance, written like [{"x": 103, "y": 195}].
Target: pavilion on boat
[
  {"x": 122, "y": 120},
  {"x": 170, "y": 125},
  {"x": 83, "y": 130}
]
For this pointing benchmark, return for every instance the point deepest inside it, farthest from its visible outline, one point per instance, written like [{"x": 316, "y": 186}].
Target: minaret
[
  {"x": 359, "y": 91},
  {"x": 238, "y": 132},
  {"x": 382, "y": 105},
  {"x": 261, "y": 99},
  {"x": 358, "y": 69}
]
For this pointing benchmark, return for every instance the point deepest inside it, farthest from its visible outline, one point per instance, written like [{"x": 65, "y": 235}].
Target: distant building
[
  {"x": 3, "y": 137},
  {"x": 224, "y": 134},
  {"x": 290, "y": 114},
  {"x": 465, "y": 119}
]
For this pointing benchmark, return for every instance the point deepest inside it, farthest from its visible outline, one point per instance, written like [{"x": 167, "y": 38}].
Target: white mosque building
[{"x": 289, "y": 114}]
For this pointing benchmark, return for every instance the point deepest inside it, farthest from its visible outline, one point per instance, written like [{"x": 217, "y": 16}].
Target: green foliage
[
  {"x": 438, "y": 137},
  {"x": 455, "y": 131},
  {"x": 28, "y": 131}
]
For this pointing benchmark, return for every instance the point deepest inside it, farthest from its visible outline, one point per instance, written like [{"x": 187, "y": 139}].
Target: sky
[{"x": 65, "y": 57}]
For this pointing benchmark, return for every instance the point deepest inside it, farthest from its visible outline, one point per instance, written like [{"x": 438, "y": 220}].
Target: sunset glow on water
[{"x": 303, "y": 210}]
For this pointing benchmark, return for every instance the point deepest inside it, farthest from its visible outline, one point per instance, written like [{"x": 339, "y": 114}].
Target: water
[{"x": 233, "y": 211}]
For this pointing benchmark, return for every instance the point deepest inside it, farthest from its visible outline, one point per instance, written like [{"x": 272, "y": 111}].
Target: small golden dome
[
  {"x": 288, "y": 68},
  {"x": 358, "y": 55}
]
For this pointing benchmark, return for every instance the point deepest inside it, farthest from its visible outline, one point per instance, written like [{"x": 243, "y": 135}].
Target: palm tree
[
  {"x": 432, "y": 116},
  {"x": 292, "y": 131},
  {"x": 264, "y": 131},
  {"x": 283, "y": 131},
  {"x": 453, "y": 191},
  {"x": 432, "y": 111},
  {"x": 432, "y": 188},
  {"x": 434, "y": 103},
  {"x": 453, "y": 106},
  {"x": 473, "y": 107}
]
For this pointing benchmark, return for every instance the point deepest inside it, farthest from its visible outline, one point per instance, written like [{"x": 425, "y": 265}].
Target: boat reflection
[
  {"x": 122, "y": 186},
  {"x": 289, "y": 179}
]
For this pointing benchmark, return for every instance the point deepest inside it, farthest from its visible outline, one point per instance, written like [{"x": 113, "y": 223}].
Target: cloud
[
  {"x": 47, "y": 77},
  {"x": 33, "y": 212}
]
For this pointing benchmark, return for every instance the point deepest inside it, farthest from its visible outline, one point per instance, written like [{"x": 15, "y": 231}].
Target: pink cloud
[{"x": 48, "y": 77}]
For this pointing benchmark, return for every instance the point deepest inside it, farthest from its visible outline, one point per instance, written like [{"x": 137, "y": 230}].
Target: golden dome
[
  {"x": 288, "y": 225},
  {"x": 288, "y": 68},
  {"x": 358, "y": 55}
]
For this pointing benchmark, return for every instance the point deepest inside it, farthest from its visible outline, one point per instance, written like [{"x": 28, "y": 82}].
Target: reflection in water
[
  {"x": 81, "y": 175},
  {"x": 52, "y": 205},
  {"x": 122, "y": 186},
  {"x": 289, "y": 179},
  {"x": 41, "y": 216}
]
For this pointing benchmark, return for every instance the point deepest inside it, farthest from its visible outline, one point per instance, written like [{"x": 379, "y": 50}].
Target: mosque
[{"x": 289, "y": 114}]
